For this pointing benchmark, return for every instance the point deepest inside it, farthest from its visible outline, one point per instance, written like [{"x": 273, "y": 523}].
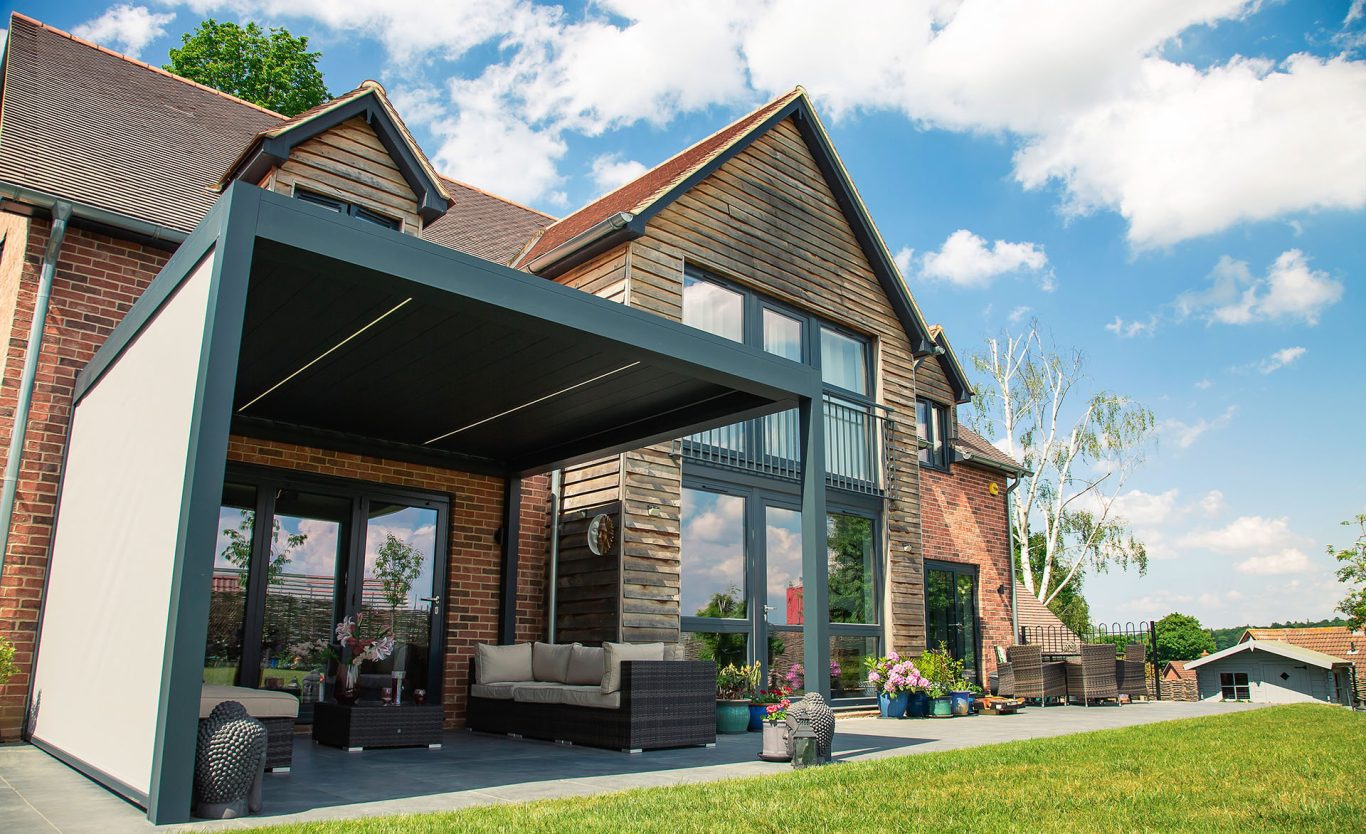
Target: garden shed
[{"x": 1272, "y": 672}]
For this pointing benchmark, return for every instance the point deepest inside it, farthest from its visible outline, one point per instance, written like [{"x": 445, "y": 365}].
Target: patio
[{"x": 38, "y": 793}]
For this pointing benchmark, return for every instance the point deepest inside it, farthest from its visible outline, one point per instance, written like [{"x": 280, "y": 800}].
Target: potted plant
[
  {"x": 361, "y": 650},
  {"x": 759, "y": 704},
  {"x": 775, "y": 732},
  {"x": 734, "y": 686},
  {"x": 943, "y": 673},
  {"x": 960, "y": 697},
  {"x": 894, "y": 680},
  {"x": 7, "y": 665}
]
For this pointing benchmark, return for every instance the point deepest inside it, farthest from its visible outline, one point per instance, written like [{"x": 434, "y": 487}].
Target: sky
[{"x": 1176, "y": 188}]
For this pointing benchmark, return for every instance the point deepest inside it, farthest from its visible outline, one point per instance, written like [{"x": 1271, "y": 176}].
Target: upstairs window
[
  {"x": 350, "y": 209},
  {"x": 711, "y": 307},
  {"x": 844, "y": 361},
  {"x": 932, "y": 427}
]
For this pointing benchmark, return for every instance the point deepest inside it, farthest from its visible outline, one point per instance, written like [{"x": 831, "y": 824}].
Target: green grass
[{"x": 1292, "y": 768}]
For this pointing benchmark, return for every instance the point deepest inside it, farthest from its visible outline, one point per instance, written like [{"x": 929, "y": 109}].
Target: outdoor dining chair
[
  {"x": 1092, "y": 677},
  {"x": 1130, "y": 674},
  {"x": 1032, "y": 678}
]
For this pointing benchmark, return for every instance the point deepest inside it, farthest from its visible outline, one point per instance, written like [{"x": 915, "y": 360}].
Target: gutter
[
  {"x": 63, "y": 213},
  {"x": 601, "y": 236}
]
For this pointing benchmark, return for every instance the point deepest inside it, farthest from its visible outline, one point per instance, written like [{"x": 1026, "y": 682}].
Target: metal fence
[{"x": 1061, "y": 641}]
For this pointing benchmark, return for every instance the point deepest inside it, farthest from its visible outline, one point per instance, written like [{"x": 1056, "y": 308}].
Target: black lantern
[{"x": 805, "y": 745}]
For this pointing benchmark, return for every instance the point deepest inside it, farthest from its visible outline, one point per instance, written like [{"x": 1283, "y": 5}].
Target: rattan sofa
[
  {"x": 275, "y": 710},
  {"x": 660, "y": 704}
]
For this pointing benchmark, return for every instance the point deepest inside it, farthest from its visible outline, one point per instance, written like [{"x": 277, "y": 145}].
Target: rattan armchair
[
  {"x": 1092, "y": 678},
  {"x": 1031, "y": 677},
  {"x": 1131, "y": 676}
]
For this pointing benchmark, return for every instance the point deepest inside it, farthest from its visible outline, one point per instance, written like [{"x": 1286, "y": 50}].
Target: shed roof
[
  {"x": 1338, "y": 641},
  {"x": 1286, "y": 650}
]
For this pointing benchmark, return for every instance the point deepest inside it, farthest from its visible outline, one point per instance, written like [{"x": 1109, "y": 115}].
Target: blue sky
[{"x": 1178, "y": 189}]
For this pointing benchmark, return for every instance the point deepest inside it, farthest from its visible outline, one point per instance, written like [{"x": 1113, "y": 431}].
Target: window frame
[
  {"x": 1233, "y": 684},
  {"x": 925, "y": 455},
  {"x": 352, "y": 210}
]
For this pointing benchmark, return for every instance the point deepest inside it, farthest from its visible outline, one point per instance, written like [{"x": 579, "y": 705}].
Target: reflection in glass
[
  {"x": 844, "y": 361},
  {"x": 939, "y": 608},
  {"x": 785, "y": 649},
  {"x": 713, "y": 555},
  {"x": 711, "y": 307},
  {"x": 849, "y": 542},
  {"x": 228, "y": 598},
  {"x": 306, "y": 548},
  {"x": 783, "y": 553},
  {"x": 848, "y": 677},
  {"x": 967, "y": 616},
  {"x": 951, "y": 614},
  {"x": 398, "y": 592},
  {"x": 782, "y": 335},
  {"x": 719, "y": 647},
  {"x": 930, "y": 420}
]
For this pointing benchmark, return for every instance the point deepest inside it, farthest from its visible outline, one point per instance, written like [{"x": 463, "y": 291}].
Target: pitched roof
[
  {"x": 1336, "y": 641},
  {"x": 1034, "y": 614},
  {"x": 102, "y": 129},
  {"x": 1276, "y": 647},
  {"x": 271, "y": 146},
  {"x": 485, "y": 225},
  {"x": 948, "y": 360},
  {"x": 639, "y": 194},
  {"x": 1179, "y": 667},
  {"x": 974, "y": 448}
]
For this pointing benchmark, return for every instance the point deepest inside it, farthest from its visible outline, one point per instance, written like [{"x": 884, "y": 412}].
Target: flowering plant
[
  {"x": 892, "y": 675},
  {"x": 312, "y": 653},
  {"x": 769, "y": 696},
  {"x": 364, "y": 648},
  {"x": 796, "y": 674},
  {"x": 734, "y": 683},
  {"x": 778, "y": 712}
]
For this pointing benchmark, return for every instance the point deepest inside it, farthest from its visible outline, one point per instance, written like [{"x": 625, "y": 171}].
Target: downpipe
[
  {"x": 556, "y": 487},
  {"x": 61, "y": 213}
]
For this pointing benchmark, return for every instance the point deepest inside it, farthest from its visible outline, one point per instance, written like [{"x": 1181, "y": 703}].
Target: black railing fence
[{"x": 1062, "y": 641}]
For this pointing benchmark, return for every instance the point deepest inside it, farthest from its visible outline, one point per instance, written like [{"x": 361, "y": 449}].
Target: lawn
[{"x": 1292, "y": 768}]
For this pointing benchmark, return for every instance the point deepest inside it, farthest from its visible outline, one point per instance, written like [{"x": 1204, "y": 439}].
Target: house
[
  {"x": 1273, "y": 672},
  {"x": 246, "y": 355},
  {"x": 1178, "y": 683},
  {"x": 1175, "y": 670},
  {"x": 1340, "y": 642}
]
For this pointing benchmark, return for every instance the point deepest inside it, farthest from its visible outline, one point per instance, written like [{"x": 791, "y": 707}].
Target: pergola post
[
  {"x": 815, "y": 566},
  {"x": 507, "y": 585}
]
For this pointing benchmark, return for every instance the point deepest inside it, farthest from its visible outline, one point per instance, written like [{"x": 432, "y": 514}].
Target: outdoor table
[{"x": 354, "y": 727}]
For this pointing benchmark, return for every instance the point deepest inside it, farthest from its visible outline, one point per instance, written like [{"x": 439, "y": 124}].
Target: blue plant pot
[
  {"x": 918, "y": 705},
  {"x": 960, "y": 703},
  {"x": 757, "y": 713},
  {"x": 732, "y": 716},
  {"x": 892, "y": 706},
  {"x": 940, "y": 708}
]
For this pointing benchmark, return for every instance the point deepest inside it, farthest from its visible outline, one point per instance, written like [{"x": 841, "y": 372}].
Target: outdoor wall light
[{"x": 1001, "y": 589}]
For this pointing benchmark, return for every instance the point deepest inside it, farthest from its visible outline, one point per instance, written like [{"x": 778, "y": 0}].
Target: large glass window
[
  {"x": 711, "y": 307},
  {"x": 1233, "y": 686},
  {"x": 782, "y": 335},
  {"x": 844, "y": 361},
  {"x": 400, "y": 543},
  {"x": 231, "y": 574},
  {"x": 931, "y": 426},
  {"x": 852, "y": 571},
  {"x": 713, "y": 541}
]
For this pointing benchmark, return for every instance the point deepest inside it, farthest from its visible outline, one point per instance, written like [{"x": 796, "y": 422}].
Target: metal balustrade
[{"x": 857, "y": 440}]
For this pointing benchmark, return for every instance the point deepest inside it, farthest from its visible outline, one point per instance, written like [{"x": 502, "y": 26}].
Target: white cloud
[
  {"x": 1249, "y": 533},
  {"x": 967, "y": 260},
  {"x": 1145, "y": 509},
  {"x": 1290, "y": 291},
  {"x": 1354, "y": 12},
  {"x": 1129, "y": 329},
  {"x": 1213, "y": 502},
  {"x": 1017, "y": 315},
  {"x": 1290, "y": 560},
  {"x": 125, "y": 28},
  {"x": 611, "y": 171},
  {"x": 903, "y": 259},
  {"x": 1185, "y": 434},
  {"x": 1204, "y": 384},
  {"x": 1280, "y": 359}
]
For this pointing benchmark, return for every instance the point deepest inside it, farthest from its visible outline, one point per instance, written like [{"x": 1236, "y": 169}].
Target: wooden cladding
[
  {"x": 349, "y": 162},
  {"x": 588, "y": 585}
]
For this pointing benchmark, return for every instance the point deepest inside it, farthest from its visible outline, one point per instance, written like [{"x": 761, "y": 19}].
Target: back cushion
[
  {"x": 498, "y": 664},
  {"x": 550, "y": 662},
  {"x": 587, "y": 665},
  {"x": 617, "y": 652}
]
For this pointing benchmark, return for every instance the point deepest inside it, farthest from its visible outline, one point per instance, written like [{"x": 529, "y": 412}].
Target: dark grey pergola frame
[{"x": 246, "y": 215}]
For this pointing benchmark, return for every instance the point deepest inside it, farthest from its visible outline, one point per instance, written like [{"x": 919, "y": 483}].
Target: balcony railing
[{"x": 857, "y": 437}]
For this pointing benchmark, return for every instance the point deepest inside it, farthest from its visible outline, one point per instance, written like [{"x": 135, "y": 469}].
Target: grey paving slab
[{"x": 40, "y": 794}]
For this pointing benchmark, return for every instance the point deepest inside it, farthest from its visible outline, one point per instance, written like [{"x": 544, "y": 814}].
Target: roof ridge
[
  {"x": 143, "y": 64},
  {"x": 497, "y": 197}
]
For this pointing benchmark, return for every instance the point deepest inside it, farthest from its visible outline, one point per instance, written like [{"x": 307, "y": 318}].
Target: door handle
[{"x": 435, "y": 601}]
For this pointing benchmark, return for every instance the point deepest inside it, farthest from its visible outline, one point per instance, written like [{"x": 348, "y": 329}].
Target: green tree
[
  {"x": 1353, "y": 573},
  {"x": 728, "y": 648},
  {"x": 271, "y": 68},
  {"x": 397, "y": 564},
  {"x": 1181, "y": 637},
  {"x": 849, "y": 540},
  {"x": 238, "y": 549},
  {"x": 1069, "y": 604}
]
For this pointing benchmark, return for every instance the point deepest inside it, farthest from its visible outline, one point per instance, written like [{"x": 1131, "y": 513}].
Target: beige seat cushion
[
  {"x": 539, "y": 693},
  {"x": 503, "y": 691},
  {"x": 617, "y": 652},
  {"x": 587, "y": 665},
  {"x": 589, "y": 696},
  {"x": 260, "y": 703},
  {"x": 496, "y": 664},
  {"x": 550, "y": 662}
]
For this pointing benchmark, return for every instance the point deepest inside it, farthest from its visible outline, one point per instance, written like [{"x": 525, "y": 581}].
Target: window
[
  {"x": 351, "y": 209},
  {"x": 711, "y": 307},
  {"x": 851, "y": 573},
  {"x": 782, "y": 335},
  {"x": 1234, "y": 687},
  {"x": 844, "y": 361},
  {"x": 932, "y": 426}
]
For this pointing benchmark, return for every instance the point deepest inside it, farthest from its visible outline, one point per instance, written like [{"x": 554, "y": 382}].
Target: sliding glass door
[
  {"x": 295, "y": 555},
  {"x": 951, "y": 612}
]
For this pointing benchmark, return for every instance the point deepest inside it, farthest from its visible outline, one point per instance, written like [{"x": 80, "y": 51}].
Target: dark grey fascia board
[
  {"x": 275, "y": 150},
  {"x": 580, "y": 249},
  {"x": 198, "y": 244},
  {"x": 96, "y": 218},
  {"x": 447, "y": 275}
]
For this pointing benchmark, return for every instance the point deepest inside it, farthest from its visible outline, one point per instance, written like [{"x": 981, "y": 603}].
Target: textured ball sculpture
[
  {"x": 813, "y": 708},
  {"x": 229, "y": 763}
]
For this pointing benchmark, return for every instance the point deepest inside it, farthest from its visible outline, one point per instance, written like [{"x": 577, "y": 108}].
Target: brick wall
[
  {"x": 961, "y": 521},
  {"x": 97, "y": 279},
  {"x": 474, "y": 561}
]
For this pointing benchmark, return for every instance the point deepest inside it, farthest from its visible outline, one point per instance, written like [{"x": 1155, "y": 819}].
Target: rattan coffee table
[{"x": 355, "y": 727}]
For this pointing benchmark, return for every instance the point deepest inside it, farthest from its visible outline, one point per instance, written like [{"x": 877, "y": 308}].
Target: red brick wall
[
  {"x": 961, "y": 521},
  {"x": 474, "y": 566},
  {"x": 96, "y": 281}
]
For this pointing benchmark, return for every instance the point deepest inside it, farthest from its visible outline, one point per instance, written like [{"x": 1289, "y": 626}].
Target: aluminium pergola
[{"x": 280, "y": 319}]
